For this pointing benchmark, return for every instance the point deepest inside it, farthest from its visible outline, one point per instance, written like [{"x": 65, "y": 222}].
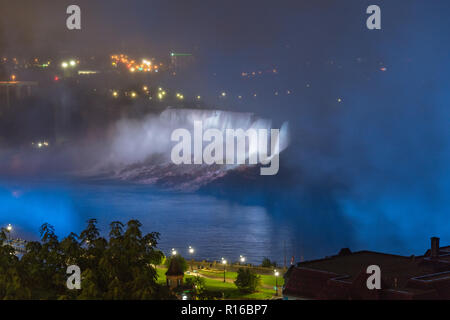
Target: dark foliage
[
  {"x": 121, "y": 267},
  {"x": 247, "y": 281}
]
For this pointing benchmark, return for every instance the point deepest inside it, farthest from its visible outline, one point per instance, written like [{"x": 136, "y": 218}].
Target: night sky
[{"x": 368, "y": 109}]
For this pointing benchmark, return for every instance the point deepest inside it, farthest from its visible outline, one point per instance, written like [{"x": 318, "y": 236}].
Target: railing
[{"x": 17, "y": 244}]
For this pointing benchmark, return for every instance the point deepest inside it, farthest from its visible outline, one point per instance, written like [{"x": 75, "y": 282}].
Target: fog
[{"x": 369, "y": 172}]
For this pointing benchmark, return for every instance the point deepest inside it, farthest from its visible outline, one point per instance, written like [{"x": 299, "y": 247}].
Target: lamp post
[
  {"x": 224, "y": 262},
  {"x": 9, "y": 228},
  {"x": 191, "y": 252},
  {"x": 174, "y": 252},
  {"x": 241, "y": 258},
  {"x": 276, "y": 281}
]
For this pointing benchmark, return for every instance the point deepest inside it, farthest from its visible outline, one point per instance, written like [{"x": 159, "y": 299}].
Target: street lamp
[
  {"x": 224, "y": 262},
  {"x": 174, "y": 252},
  {"x": 191, "y": 252},
  {"x": 9, "y": 228},
  {"x": 242, "y": 258},
  {"x": 276, "y": 273}
]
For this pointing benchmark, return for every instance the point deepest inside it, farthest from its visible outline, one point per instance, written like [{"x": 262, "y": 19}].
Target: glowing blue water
[{"x": 215, "y": 228}]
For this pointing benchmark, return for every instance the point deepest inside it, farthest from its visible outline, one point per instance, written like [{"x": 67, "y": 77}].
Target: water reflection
[{"x": 216, "y": 228}]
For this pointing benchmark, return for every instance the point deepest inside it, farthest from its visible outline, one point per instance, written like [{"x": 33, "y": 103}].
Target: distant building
[
  {"x": 174, "y": 274},
  {"x": 344, "y": 276}
]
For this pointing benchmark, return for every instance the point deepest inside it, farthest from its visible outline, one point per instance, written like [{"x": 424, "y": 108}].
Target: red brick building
[
  {"x": 174, "y": 274},
  {"x": 344, "y": 276}
]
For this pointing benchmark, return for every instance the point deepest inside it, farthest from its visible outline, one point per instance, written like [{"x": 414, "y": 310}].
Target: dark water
[
  {"x": 215, "y": 228},
  {"x": 305, "y": 227}
]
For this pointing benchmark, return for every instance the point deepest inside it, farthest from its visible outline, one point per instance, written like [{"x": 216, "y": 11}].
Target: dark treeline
[{"x": 121, "y": 267}]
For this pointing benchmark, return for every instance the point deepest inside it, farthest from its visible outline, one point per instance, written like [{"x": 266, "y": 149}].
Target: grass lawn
[
  {"x": 268, "y": 280},
  {"x": 228, "y": 289}
]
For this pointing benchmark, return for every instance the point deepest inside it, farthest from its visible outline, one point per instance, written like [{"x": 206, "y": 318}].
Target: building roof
[
  {"x": 175, "y": 268},
  {"x": 351, "y": 265},
  {"x": 344, "y": 276}
]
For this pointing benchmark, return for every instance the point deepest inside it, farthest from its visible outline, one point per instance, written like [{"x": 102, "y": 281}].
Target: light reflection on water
[{"x": 215, "y": 228}]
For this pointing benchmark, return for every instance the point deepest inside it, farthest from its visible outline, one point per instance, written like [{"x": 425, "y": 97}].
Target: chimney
[{"x": 434, "y": 247}]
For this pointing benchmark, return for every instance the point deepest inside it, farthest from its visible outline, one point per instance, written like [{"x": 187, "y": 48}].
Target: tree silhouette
[{"x": 121, "y": 267}]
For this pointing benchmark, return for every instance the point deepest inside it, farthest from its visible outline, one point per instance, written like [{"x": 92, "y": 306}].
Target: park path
[{"x": 219, "y": 278}]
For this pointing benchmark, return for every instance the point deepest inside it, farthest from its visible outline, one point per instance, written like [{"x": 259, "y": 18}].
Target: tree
[
  {"x": 247, "y": 281},
  {"x": 11, "y": 284},
  {"x": 266, "y": 263},
  {"x": 181, "y": 262},
  {"x": 121, "y": 267},
  {"x": 198, "y": 287}
]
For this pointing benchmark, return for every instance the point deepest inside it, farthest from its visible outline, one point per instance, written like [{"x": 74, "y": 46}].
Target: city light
[
  {"x": 9, "y": 227},
  {"x": 242, "y": 258},
  {"x": 174, "y": 252},
  {"x": 191, "y": 250},
  {"x": 41, "y": 144},
  {"x": 71, "y": 63},
  {"x": 87, "y": 72},
  {"x": 115, "y": 94},
  {"x": 132, "y": 65},
  {"x": 133, "y": 94}
]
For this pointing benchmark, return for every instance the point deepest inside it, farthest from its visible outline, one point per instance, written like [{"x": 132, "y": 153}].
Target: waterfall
[{"x": 139, "y": 149}]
